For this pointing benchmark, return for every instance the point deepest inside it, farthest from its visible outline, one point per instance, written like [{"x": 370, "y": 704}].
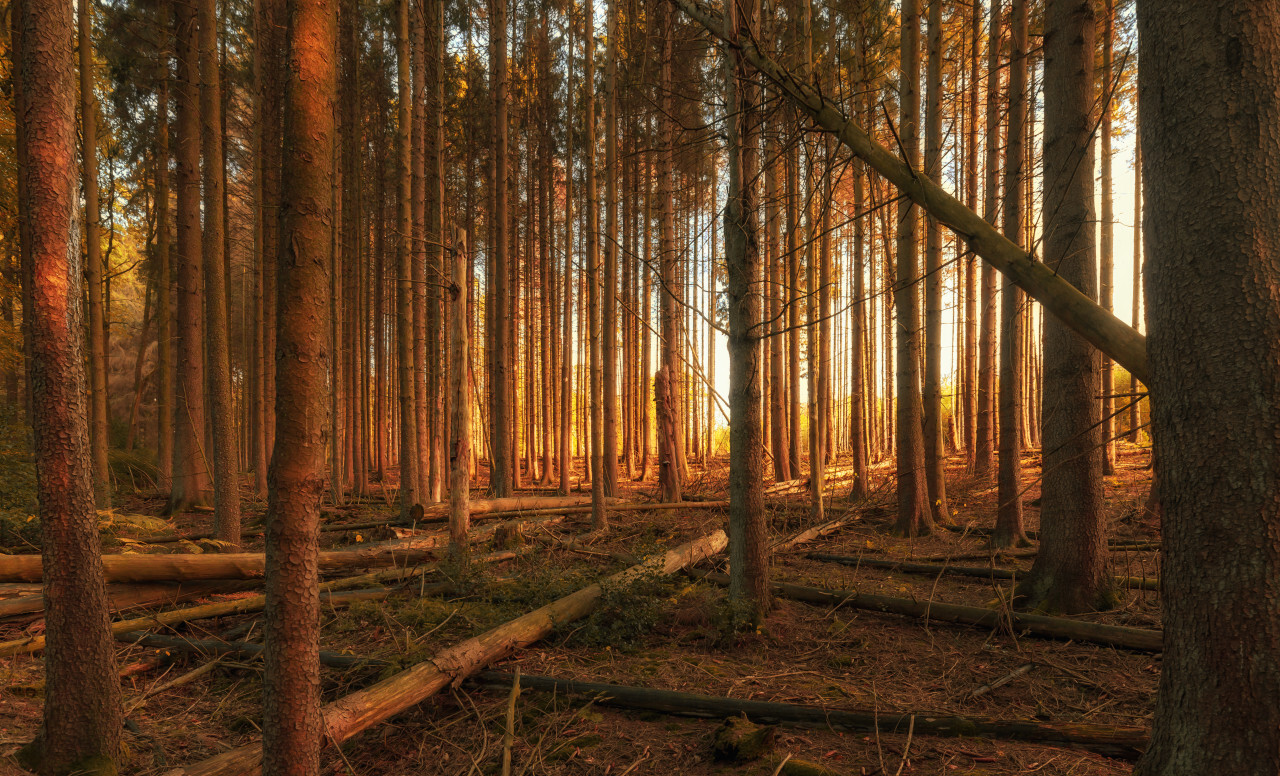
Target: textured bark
[
  {"x": 748, "y": 530},
  {"x": 164, "y": 282},
  {"x": 190, "y": 463},
  {"x": 433, "y": 136},
  {"x": 970, "y": 260},
  {"x": 775, "y": 168},
  {"x": 1106, "y": 250},
  {"x": 409, "y": 495},
  {"x": 985, "y": 430},
  {"x": 223, "y": 456},
  {"x": 1209, "y": 145},
  {"x": 566, "y": 320},
  {"x": 1138, "y": 221},
  {"x": 914, "y": 515},
  {"x": 609, "y": 311},
  {"x": 291, "y": 723},
  {"x": 81, "y": 726},
  {"x": 418, "y": 251},
  {"x": 593, "y": 323},
  {"x": 934, "y": 449},
  {"x": 1009, "y": 529},
  {"x": 500, "y": 420},
  {"x": 94, "y": 268},
  {"x": 460, "y": 423},
  {"x": 1070, "y": 573},
  {"x": 667, "y": 382}
]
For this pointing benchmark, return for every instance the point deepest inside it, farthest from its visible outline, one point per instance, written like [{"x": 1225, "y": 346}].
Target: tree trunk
[
  {"x": 164, "y": 281},
  {"x": 667, "y": 382},
  {"x": 984, "y": 454},
  {"x": 748, "y": 530},
  {"x": 190, "y": 456},
  {"x": 98, "y": 356},
  {"x": 409, "y": 494},
  {"x": 460, "y": 423},
  {"x": 1135, "y": 401},
  {"x": 500, "y": 421},
  {"x": 82, "y": 720},
  {"x": 595, "y": 365},
  {"x": 1208, "y": 97},
  {"x": 914, "y": 515},
  {"x": 1070, "y": 574},
  {"x": 934, "y": 447},
  {"x": 1009, "y": 530},
  {"x": 609, "y": 313},
  {"x": 226, "y": 474},
  {"x": 1106, "y": 258},
  {"x": 566, "y": 335},
  {"x": 292, "y": 724}
]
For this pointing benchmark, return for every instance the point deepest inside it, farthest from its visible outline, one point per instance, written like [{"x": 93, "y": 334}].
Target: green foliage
[{"x": 629, "y": 612}]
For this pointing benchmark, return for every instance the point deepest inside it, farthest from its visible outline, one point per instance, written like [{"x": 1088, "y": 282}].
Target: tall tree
[
  {"x": 500, "y": 421},
  {"x": 291, "y": 719},
  {"x": 1009, "y": 529},
  {"x": 934, "y": 451},
  {"x": 164, "y": 275},
  {"x": 1106, "y": 250},
  {"x": 984, "y": 452},
  {"x": 748, "y": 531},
  {"x": 609, "y": 313},
  {"x": 409, "y": 494},
  {"x": 82, "y": 719},
  {"x": 667, "y": 381},
  {"x": 596, "y": 367},
  {"x": 914, "y": 515},
  {"x": 1070, "y": 573},
  {"x": 566, "y": 335},
  {"x": 226, "y": 474},
  {"x": 1207, "y": 88},
  {"x": 190, "y": 453},
  {"x": 1136, "y": 312},
  {"x": 94, "y": 269}
]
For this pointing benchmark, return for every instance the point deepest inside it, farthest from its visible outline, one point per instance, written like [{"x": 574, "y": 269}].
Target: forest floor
[{"x": 671, "y": 634}]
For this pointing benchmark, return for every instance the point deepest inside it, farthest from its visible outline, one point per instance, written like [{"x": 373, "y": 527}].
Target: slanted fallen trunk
[
  {"x": 817, "y": 532},
  {"x": 245, "y": 565},
  {"x": 365, "y": 708},
  {"x": 1094, "y": 323},
  {"x": 982, "y": 572},
  {"x": 1123, "y": 742},
  {"x": 1034, "y": 624},
  {"x": 124, "y": 597}
]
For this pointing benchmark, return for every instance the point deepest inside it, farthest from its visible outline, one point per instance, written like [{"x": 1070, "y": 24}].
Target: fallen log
[
  {"x": 33, "y": 644},
  {"x": 982, "y": 572},
  {"x": 365, "y": 708},
  {"x": 1034, "y": 624},
  {"x": 1097, "y": 325},
  {"x": 817, "y": 532},
  {"x": 238, "y": 648},
  {"x": 245, "y": 565},
  {"x": 122, "y": 597},
  {"x": 1122, "y": 742}
]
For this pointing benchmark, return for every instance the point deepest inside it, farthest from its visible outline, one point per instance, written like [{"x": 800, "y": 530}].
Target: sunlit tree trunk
[
  {"x": 984, "y": 450},
  {"x": 82, "y": 718},
  {"x": 409, "y": 493},
  {"x": 667, "y": 382},
  {"x": 934, "y": 447},
  {"x": 500, "y": 419},
  {"x": 1106, "y": 250}
]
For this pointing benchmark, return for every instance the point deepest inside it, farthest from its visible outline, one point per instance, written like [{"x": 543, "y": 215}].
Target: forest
[{"x": 639, "y": 387}]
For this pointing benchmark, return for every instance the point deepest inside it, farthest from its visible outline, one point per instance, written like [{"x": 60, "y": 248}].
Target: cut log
[
  {"x": 239, "y": 649},
  {"x": 739, "y": 740},
  {"x": 982, "y": 572},
  {"x": 817, "y": 532},
  {"x": 245, "y": 565},
  {"x": 1123, "y": 742},
  {"x": 365, "y": 708},
  {"x": 1075, "y": 310},
  {"x": 1034, "y": 624},
  {"x": 124, "y": 597}
]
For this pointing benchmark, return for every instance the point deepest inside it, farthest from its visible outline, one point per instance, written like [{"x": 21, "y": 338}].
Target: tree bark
[
  {"x": 1208, "y": 102},
  {"x": 748, "y": 531},
  {"x": 460, "y": 423},
  {"x": 226, "y": 473},
  {"x": 915, "y": 518},
  {"x": 1106, "y": 257},
  {"x": 984, "y": 454},
  {"x": 1070, "y": 574},
  {"x": 609, "y": 313},
  {"x": 667, "y": 382},
  {"x": 82, "y": 720},
  {"x": 593, "y": 325},
  {"x": 934, "y": 447},
  {"x": 99, "y": 364},
  {"x": 292, "y": 724},
  {"x": 409, "y": 494},
  {"x": 190, "y": 457},
  {"x": 500, "y": 470}
]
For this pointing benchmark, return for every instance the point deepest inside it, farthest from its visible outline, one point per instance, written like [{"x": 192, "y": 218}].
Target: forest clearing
[{"x": 825, "y": 387}]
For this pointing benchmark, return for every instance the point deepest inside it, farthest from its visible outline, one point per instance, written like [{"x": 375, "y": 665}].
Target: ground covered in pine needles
[{"x": 673, "y": 633}]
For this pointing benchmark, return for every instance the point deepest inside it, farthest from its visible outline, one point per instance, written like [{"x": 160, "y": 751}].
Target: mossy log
[
  {"x": 1034, "y": 624},
  {"x": 982, "y": 572},
  {"x": 365, "y": 708},
  {"x": 1122, "y": 742},
  {"x": 739, "y": 740}
]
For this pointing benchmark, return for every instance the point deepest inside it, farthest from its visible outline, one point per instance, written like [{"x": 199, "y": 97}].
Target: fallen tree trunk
[
  {"x": 1034, "y": 624},
  {"x": 244, "y": 565},
  {"x": 817, "y": 532},
  {"x": 365, "y": 708},
  {"x": 983, "y": 572},
  {"x": 257, "y": 603},
  {"x": 1065, "y": 302},
  {"x": 123, "y": 597},
  {"x": 1123, "y": 742},
  {"x": 239, "y": 648}
]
